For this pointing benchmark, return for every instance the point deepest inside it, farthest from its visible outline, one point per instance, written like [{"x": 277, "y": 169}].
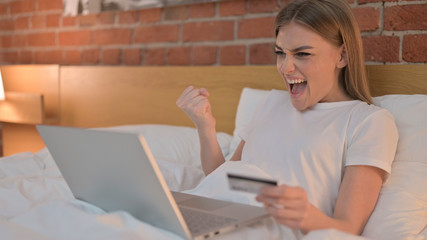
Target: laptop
[{"x": 117, "y": 171}]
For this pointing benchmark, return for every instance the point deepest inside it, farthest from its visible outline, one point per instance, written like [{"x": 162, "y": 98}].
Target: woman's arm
[
  {"x": 358, "y": 196},
  {"x": 210, "y": 151},
  {"x": 237, "y": 155},
  {"x": 356, "y": 200},
  {"x": 194, "y": 102}
]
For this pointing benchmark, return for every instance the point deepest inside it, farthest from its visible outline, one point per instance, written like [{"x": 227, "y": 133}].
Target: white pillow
[
  {"x": 249, "y": 101},
  {"x": 410, "y": 163},
  {"x": 401, "y": 211},
  {"x": 410, "y": 113},
  {"x": 176, "y": 144}
]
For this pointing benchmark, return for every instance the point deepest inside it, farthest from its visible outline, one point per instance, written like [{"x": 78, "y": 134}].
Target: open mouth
[{"x": 297, "y": 86}]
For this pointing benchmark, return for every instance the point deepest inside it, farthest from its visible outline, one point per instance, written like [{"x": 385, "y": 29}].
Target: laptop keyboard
[{"x": 199, "y": 222}]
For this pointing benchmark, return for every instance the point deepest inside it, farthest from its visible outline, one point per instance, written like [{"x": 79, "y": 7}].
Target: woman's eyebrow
[{"x": 305, "y": 47}]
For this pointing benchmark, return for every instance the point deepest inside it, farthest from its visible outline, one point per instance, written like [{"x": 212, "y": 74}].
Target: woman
[{"x": 323, "y": 138}]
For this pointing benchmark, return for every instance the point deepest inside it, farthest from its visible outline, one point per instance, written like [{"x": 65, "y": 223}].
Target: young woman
[{"x": 322, "y": 137}]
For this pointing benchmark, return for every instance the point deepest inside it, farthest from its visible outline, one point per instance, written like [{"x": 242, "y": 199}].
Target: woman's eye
[
  {"x": 302, "y": 54},
  {"x": 279, "y": 53}
]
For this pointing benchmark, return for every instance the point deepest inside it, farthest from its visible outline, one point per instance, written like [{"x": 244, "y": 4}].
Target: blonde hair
[{"x": 335, "y": 22}]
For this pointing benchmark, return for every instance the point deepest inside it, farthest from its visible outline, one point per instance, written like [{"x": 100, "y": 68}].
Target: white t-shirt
[{"x": 310, "y": 149}]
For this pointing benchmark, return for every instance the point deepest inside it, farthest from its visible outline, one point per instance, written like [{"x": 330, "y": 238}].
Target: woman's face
[{"x": 310, "y": 66}]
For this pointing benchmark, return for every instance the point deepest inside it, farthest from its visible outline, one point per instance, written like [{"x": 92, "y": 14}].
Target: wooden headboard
[
  {"x": 100, "y": 96},
  {"x": 129, "y": 95}
]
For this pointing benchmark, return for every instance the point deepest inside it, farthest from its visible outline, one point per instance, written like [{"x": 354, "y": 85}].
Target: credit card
[{"x": 247, "y": 183}]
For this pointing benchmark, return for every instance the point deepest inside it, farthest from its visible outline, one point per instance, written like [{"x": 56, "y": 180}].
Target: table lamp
[{"x": 19, "y": 107}]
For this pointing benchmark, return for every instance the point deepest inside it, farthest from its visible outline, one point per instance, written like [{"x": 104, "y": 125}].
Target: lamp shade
[{"x": 1, "y": 89}]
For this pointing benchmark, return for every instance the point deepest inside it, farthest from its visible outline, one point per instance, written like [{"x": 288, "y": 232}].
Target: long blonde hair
[{"x": 335, "y": 22}]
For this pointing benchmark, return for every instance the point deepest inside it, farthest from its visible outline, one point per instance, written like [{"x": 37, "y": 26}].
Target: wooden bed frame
[{"x": 100, "y": 96}]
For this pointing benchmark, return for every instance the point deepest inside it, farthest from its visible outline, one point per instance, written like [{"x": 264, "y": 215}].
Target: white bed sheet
[{"x": 36, "y": 203}]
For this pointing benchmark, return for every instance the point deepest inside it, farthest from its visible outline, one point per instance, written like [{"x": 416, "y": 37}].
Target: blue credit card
[{"x": 248, "y": 183}]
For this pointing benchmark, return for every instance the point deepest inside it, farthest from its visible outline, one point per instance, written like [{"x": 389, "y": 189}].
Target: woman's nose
[{"x": 287, "y": 65}]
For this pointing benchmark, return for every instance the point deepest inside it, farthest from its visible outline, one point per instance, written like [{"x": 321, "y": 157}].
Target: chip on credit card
[{"x": 247, "y": 183}]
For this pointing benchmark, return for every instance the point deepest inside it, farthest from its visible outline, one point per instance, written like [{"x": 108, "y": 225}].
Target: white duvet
[{"x": 36, "y": 203}]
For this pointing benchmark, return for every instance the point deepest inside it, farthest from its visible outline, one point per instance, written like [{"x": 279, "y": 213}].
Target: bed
[{"x": 36, "y": 203}]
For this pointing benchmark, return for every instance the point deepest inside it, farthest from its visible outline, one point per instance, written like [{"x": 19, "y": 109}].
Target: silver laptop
[{"x": 116, "y": 171}]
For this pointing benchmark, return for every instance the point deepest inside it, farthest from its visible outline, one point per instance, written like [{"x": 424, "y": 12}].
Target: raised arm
[{"x": 194, "y": 102}]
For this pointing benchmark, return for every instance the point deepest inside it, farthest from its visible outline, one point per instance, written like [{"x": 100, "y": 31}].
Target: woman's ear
[{"x": 342, "y": 62}]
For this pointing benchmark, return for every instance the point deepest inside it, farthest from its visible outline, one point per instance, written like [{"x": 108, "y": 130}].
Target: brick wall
[{"x": 236, "y": 32}]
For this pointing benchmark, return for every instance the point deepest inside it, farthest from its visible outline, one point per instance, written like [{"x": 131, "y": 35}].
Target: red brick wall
[{"x": 236, "y": 32}]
